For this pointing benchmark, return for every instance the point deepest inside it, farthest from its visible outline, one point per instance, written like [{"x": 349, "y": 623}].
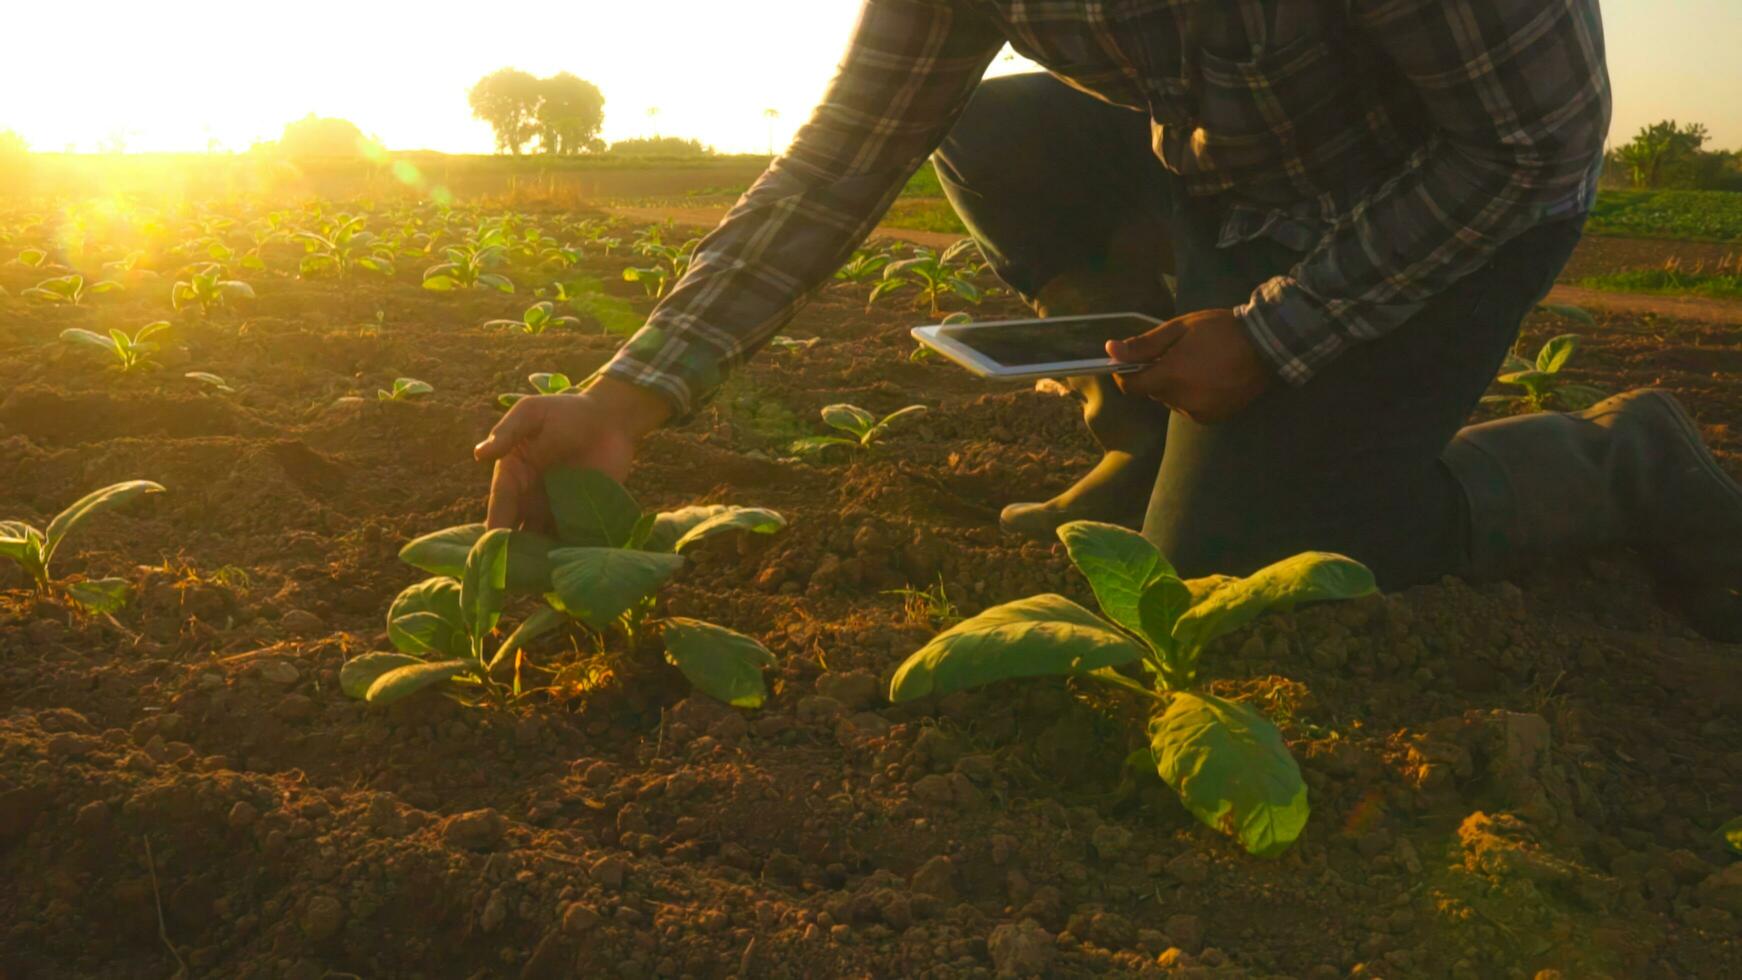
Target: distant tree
[
  {"x": 661, "y": 146},
  {"x": 14, "y": 154},
  {"x": 319, "y": 136},
  {"x": 570, "y": 112},
  {"x": 508, "y": 100},
  {"x": 1662, "y": 153}
]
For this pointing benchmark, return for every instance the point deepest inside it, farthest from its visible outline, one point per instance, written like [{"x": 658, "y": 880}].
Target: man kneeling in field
[{"x": 1359, "y": 203}]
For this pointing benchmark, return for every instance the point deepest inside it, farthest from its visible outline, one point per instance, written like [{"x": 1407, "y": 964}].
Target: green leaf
[
  {"x": 103, "y": 595},
  {"x": 591, "y": 509},
  {"x": 892, "y": 417},
  {"x": 74, "y": 335},
  {"x": 811, "y": 445},
  {"x": 426, "y": 618},
  {"x": 1044, "y": 635},
  {"x": 723, "y": 664},
  {"x": 441, "y": 284},
  {"x": 444, "y": 553},
  {"x": 531, "y": 628},
  {"x": 19, "y": 541},
  {"x": 496, "y": 282},
  {"x": 849, "y": 418},
  {"x": 550, "y": 382},
  {"x": 360, "y": 673},
  {"x": 1120, "y": 565},
  {"x": 1731, "y": 833},
  {"x": 756, "y": 520},
  {"x": 484, "y": 584},
  {"x": 208, "y": 378},
  {"x": 1231, "y": 769},
  {"x": 236, "y": 289},
  {"x": 108, "y": 498},
  {"x": 402, "y": 682},
  {"x": 1573, "y": 397},
  {"x": 597, "y": 585},
  {"x": 1556, "y": 352},
  {"x": 1312, "y": 576}
]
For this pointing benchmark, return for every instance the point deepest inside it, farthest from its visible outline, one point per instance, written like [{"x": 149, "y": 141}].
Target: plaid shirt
[{"x": 1395, "y": 143}]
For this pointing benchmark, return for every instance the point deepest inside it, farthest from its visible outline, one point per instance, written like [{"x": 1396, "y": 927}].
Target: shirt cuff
[
  {"x": 1291, "y": 330},
  {"x": 678, "y": 371}
]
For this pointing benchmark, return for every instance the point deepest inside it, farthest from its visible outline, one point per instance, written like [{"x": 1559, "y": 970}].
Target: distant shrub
[{"x": 661, "y": 146}]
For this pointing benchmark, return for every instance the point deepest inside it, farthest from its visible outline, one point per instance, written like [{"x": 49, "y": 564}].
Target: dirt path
[{"x": 1694, "y": 308}]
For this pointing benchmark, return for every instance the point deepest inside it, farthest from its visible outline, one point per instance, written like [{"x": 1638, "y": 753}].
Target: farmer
[{"x": 1358, "y": 202}]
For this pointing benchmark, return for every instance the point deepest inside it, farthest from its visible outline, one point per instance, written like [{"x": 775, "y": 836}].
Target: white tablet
[{"x": 1051, "y": 348}]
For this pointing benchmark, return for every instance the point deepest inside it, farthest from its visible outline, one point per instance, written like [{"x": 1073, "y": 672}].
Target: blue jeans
[{"x": 1055, "y": 184}]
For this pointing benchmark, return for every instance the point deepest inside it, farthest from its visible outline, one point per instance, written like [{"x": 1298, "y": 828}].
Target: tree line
[{"x": 1673, "y": 155}]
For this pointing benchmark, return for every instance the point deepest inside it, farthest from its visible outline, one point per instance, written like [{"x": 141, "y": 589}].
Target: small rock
[
  {"x": 243, "y": 815},
  {"x": 937, "y": 878},
  {"x": 1185, "y": 931},
  {"x": 280, "y": 672},
  {"x": 302, "y": 621},
  {"x": 1110, "y": 841},
  {"x": 322, "y": 917},
  {"x": 609, "y": 871},
  {"x": 854, "y": 689},
  {"x": 1021, "y": 949},
  {"x": 578, "y": 918},
  {"x": 475, "y": 830},
  {"x": 495, "y": 911},
  {"x": 1189, "y": 868}
]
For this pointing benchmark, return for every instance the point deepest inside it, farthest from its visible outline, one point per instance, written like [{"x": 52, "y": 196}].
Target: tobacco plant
[
  {"x": 346, "y": 246},
  {"x": 538, "y": 318},
  {"x": 605, "y": 565},
  {"x": 1543, "y": 387},
  {"x": 1226, "y": 761},
  {"x": 206, "y": 288},
  {"x": 34, "y": 549},
  {"x": 933, "y": 274},
  {"x": 130, "y": 353},
  {"x": 468, "y": 267},
  {"x": 861, "y": 427},
  {"x": 68, "y": 290},
  {"x": 865, "y": 265},
  {"x": 442, "y": 630},
  {"x": 543, "y": 383},
  {"x": 670, "y": 263},
  {"x": 404, "y": 390}
]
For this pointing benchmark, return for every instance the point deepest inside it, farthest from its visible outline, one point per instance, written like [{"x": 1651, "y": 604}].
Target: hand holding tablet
[{"x": 1018, "y": 349}]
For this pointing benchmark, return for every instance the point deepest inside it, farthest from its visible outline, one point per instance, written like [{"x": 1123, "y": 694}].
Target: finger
[
  {"x": 508, "y": 485},
  {"x": 1158, "y": 382},
  {"x": 1147, "y": 346},
  {"x": 521, "y": 422}
]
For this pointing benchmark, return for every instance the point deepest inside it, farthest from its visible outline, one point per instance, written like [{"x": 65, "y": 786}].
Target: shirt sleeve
[
  {"x": 907, "y": 74},
  {"x": 1518, "y": 95}
]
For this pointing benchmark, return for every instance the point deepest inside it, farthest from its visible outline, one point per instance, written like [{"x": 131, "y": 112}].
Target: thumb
[
  {"x": 522, "y": 422},
  {"x": 1147, "y": 346}
]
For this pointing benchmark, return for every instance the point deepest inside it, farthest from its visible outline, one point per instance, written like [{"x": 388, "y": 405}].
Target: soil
[{"x": 1506, "y": 779}]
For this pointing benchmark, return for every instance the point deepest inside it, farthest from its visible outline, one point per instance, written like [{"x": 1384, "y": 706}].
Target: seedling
[
  {"x": 543, "y": 383},
  {"x": 207, "y": 288},
  {"x": 605, "y": 566},
  {"x": 130, "y": 353},
  {"x": 1544, "y": 388},
  {"x": 653, "y": 279},
  {"x": 68, "y": 290},
  {"x": 32, "y": 258},
  {"x": 934, "y": 275},
  {"x": 34, "y": 550},
  {"x": 1226, "y": 761},
  {"x": 538, "y": 318},
  {"x": 670, "y": 263},
  {"x": 863, "y": 428},
  {"x": 344, "y": 248},
  {"x": 211, "y": 381},
  {"x": 930, "y": 606},
  {"x": 864, "y": 266},
  {"x": 441, "y": 629},
  {"x": 404, "y": 390},
  {"x": 587, "y": 297},
  {"x": 788, "y": 345},
  {"x": 467, "y": 267}
]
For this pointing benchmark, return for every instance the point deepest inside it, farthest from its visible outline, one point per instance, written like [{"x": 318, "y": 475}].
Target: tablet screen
[{"x": 1046, "y": 341}]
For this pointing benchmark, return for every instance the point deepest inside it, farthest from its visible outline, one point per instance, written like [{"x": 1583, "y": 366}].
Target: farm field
[{"x": 1505, "y": 779}]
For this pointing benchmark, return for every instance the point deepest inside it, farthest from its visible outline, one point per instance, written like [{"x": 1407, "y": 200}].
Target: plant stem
[{"x": 1111, "y": 676}]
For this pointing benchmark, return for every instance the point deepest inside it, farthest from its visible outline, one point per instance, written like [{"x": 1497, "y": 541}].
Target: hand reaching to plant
[
  {"x": 596, "y": 428},
  {"x": 1201, "y": 364}
]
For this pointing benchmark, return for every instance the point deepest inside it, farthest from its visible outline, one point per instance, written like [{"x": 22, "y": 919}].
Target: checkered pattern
[{"x": 1401, "y": 142}]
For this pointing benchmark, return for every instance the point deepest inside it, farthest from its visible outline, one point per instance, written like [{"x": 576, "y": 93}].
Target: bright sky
[{"x": 179, "y": 74}]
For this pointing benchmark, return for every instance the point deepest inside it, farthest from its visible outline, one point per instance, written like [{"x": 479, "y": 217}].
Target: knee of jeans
[{"x": 985, "y": 143}]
